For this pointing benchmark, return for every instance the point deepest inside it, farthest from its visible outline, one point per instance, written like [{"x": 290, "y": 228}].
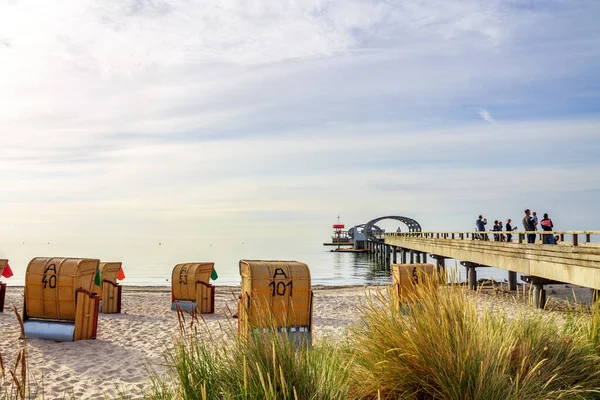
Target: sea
[{"x": 150, "y": 263}]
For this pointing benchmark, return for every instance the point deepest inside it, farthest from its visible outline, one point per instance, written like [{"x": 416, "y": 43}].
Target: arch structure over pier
[
  {"x": 360, "y": 228},
  {"x": 413, "y": 226}
]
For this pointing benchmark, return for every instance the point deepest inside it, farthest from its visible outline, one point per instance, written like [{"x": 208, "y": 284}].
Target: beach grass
[
  {"x": 445, "y": 345},
  {"x": 263, "y": 366},
  {"x": 15, "y": 382},
  {"x": 442, "y": 345}
]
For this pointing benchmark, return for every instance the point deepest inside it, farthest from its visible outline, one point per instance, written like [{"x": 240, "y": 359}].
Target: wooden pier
[{"x": 574, "y": 260}]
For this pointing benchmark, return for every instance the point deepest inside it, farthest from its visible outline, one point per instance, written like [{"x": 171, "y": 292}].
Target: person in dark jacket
[
  {"x": 529, "y": 226},
  {"x": 509, "y": 228},
  {"x": 480, "y": 224},
  {"x": 547, "y": 226},
  {"x": 496, "y": 228}
]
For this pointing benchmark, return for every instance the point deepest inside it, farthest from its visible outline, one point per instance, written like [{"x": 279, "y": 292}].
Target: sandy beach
[{"x": 128, "y": 343}]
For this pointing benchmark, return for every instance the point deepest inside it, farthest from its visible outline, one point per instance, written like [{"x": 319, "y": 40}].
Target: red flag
[
  {"x": 7, "y": 273},
  {"x": 121, "y": 274}
]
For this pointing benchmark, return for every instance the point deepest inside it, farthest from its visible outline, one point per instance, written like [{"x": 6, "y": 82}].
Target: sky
[{"x": 179, "y": 119}]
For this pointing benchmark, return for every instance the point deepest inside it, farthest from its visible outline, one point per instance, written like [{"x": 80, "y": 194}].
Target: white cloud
[{"x": 485, "y": 114}]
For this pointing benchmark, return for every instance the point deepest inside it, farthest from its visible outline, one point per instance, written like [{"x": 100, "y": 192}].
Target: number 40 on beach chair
[{"x": 59, "y": 303}]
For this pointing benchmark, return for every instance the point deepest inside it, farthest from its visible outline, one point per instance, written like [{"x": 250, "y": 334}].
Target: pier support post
[
  {"x": 418, "y": 258},
  {"x": 412, "y": 257},
  {"x": 440, "y": 266},
  {"x": 394, "y": 255},
  {"x": 403, "y": 256},
  {"x": 512, "y": 280},
  {"x": 472, "y": 272},
  {"x": 539, "y": 295},
  {"x": 595, "y": 295}
]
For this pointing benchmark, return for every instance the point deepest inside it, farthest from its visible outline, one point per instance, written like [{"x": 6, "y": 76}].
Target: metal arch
[
  {"x": 413, "y": 226},
  {"x": 377, "y": 229}
]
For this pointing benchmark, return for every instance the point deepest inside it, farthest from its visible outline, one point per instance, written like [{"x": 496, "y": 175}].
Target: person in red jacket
[{"x": 547, "y": 226}]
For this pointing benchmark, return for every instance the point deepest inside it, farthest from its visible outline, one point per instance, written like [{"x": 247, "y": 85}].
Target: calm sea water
[{"x": 151, "y": 264}]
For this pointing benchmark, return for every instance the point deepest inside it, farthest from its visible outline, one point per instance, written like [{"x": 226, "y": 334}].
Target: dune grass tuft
[
  {"x": 15, "y": 382},
  {"x": 446, "y": 347},
  {"x": 263, "y": 366}
]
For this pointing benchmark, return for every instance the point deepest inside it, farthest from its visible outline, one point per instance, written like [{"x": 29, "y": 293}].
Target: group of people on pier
[{"x": 530, "y": 224}]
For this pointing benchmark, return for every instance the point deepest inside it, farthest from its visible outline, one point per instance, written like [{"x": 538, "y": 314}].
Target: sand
[{"x": 128, "y": 343}]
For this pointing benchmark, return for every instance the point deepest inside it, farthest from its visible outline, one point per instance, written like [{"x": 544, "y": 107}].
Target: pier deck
[{"x": 576, "y": 261}]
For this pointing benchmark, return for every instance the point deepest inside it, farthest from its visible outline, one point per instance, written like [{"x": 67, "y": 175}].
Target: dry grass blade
[
  {"x": 20, "y": 320},
  {"x": 2, "y": 366}
]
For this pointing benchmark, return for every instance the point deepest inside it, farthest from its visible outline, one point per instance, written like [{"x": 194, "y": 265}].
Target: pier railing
[{"x": 575, "y": 238}]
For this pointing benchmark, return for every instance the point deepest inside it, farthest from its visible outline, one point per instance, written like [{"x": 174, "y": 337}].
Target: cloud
[{"x": 485, "y": 114}]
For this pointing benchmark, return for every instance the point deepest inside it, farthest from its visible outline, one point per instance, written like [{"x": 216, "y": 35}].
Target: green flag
[
  {"x": 97, "y": 281},
  {"x": 213, "y": 274}
]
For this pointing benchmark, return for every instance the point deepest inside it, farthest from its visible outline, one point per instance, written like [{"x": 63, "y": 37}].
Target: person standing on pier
[
  {"x": 500, "y": 227},
  {"x": 529, "y": 226},
  {"x": 496, "y": 228},
  {"x": 547, "y": 226},
  {"x": 480, "y": 224},
  {"x": 535, "y": 223},
  {"x": 509, "y": 229}
]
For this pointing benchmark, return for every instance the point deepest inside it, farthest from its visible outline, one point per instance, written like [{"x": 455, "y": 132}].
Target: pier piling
[
  {"x": 440, "y": 263},
  {"x": 512, "y": 280},
  {"x": 472, "y": 272},
  {"x": 539, "y": 295}
]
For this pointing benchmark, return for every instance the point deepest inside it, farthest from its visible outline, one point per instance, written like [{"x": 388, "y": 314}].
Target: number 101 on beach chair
[
  {"x": 276, "y": 295},
  {"x": 59, "y": 302}
]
